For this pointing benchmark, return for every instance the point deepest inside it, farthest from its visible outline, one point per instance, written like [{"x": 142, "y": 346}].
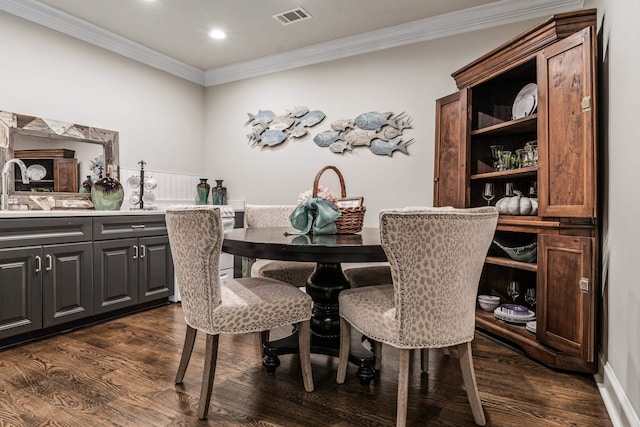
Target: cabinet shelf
[
  {"x": 512, "y": 127},
  {"x": 506, "y": 262},
  {"x": 508, "y": 174},
  {"x": 515, "y": 334}
]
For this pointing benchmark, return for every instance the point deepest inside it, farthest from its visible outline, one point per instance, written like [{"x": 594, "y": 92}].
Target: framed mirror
[{"x": 59, "y": 156}]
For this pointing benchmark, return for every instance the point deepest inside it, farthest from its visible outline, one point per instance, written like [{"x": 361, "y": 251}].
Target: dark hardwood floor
[{"x": 120, "y": 373}]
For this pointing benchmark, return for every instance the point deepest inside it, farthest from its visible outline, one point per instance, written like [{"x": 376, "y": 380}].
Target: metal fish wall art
[
  {"x": 380, "y": 132},
  {"x": 269, "y": 129}
]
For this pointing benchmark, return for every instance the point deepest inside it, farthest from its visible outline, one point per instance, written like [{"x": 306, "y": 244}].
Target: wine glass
[
  {"x": 530, "y": 296},
  {"x": 513, "y": 290},
  {"x": 489, "y": 192}
]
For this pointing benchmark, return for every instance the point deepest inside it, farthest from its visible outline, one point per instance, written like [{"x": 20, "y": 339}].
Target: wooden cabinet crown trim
[{"x": 524, "y": 46}]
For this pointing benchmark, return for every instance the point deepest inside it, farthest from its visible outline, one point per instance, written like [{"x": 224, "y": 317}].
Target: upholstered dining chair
[
  {"x": 436, "y": 257},
  {"x": 232, "y": 306},
  {"x": 293, "y": 272}
]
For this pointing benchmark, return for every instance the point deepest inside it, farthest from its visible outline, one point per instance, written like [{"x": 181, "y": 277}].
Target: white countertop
[{"x": 75, "y": 212}]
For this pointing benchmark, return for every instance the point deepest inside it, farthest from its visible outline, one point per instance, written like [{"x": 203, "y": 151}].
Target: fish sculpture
[
  {"x": 271, "y": 137},
  {"x": 381, "y": 147},
  {"x": 326, "y": 138},
  {"x": 374, "y": 120},
  {"x": 339, "y": 147},
  {"x": 297, "y": 111},
  {"x": 297, "y": 131},
  {"x": 263, "y": 116},
  {"x": 281, "y": 122},
  {"x": 359, "y": 137},
  {"x": 342, "y": 125},
  {"x": 312, "y": 118}
]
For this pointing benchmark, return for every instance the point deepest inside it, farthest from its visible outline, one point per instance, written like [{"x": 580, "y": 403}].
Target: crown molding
[
  {"x": 475, "y": 18},
  {"x": 49, "y": 17},
  {"x": 472, "y": 19}
]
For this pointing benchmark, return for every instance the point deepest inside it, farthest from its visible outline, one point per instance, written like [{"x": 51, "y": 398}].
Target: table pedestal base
[
  {"x": 324, "y": 285},
  {"x": 359, "y": 355}
]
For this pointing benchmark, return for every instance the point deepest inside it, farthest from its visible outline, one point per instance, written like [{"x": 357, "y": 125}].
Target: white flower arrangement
[{"x": 323, "y": 192}]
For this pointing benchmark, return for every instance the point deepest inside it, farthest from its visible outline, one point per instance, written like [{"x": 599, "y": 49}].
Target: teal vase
[
  {"x": 107, "y": 194},
  {"x": 86, "y": 185},
  {"x": 219, "y": 194},
  {"x": 203, "y": 191}
]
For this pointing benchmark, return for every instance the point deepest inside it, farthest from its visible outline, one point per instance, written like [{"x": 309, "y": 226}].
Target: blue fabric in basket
[{"x": 326, "y": 213}]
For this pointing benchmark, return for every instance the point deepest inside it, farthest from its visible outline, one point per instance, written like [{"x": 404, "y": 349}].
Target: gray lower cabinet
[
  {"x": 131, "y": 270},
  {"x": 43, "y": 286},
  {"x": 64, "y": 269}
]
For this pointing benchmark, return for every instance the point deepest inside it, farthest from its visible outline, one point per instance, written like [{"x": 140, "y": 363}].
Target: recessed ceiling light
[{"x": 217, "y": 34}]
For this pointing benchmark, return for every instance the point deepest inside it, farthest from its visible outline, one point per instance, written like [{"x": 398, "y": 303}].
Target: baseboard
[{"x": 618, "y": 406}]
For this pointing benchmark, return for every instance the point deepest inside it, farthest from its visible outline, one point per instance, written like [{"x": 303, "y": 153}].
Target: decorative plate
[
  {"x": 505, "y": 315},
  {"x": 36, "y": 172},
  {"x": 526, "y": 102}
]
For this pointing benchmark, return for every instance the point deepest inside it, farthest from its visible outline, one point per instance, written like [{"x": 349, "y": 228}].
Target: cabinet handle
[
  {"x": 49, "y": 263},
  {"x": 584, "y": 285},
  {"x": 135, "y": 252},
  {"x": 138, "y": 226},
  {"x": 38, "y": 264},
  {"x": 144, "y": 251}
]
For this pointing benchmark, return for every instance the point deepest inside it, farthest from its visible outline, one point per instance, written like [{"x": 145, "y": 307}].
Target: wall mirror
[{"x": 59, "y": 156}]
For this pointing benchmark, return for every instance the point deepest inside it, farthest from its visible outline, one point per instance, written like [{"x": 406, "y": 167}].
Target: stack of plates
[
  {"x": 514, "y": 313},
  {"x": 531, "y": 326}
]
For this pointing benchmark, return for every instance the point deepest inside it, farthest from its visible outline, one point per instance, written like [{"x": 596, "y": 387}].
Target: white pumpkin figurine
[{"x": 517, "y": 205}]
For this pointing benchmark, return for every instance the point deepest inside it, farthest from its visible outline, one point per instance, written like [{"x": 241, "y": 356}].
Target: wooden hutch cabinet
[{"x": 559, "y": 57}]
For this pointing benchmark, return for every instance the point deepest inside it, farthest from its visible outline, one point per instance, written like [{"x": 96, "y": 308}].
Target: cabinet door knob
[
  {"x": 38, "y": 264},
  {"x": 144, "y": 251},
  {"x": 135, "y": 252},
  {"x": 584, "y": 284},
  {"x": 137, "y": 226},
  {"x": 49, "y": 263}
]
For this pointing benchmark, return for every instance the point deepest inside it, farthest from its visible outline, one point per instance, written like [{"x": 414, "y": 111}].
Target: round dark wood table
[{"x": 324, "y": 285}]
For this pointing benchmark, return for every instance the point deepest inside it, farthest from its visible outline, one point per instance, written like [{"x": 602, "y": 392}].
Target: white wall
[
  {"x": 47, "y": 74},
  {"x": 620, "y": 68},
  {"x": 406, "y": 79}
]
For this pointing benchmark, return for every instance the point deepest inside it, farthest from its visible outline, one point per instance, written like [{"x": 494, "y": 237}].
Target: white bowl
[
  {"x": 490, "y": 298},
  {"x": 488, "y": 305}
]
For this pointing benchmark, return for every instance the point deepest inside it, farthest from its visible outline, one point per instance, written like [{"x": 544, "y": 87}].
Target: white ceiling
[{"x": 173, "y": 34}]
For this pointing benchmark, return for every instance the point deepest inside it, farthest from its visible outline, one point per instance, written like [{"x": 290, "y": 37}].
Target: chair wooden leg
[
  {"x": 378, "y": 351},
  {"x": 208, "y": 374},
  {"x": 304, "y": 346},
  {"x": 469, "y": 377},
  {"x": 345, "y": 341},
  {"x": 403, "y": 386},
  {"x": 424, "y": 359},
  {"x": 187, "y": 348},
  {"x": 445, "y": 351}
]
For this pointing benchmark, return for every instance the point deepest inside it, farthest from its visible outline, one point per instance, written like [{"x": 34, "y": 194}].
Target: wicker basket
[{"x": 351, "y": 219}]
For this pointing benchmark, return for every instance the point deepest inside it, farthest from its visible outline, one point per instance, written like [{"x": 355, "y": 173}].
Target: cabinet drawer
[
  {"x": 44, "y": 231},
  {"x": 121, "y": 227}
]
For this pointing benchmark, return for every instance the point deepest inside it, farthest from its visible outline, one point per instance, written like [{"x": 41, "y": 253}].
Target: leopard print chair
[
  {"x": 232, "y": 306},
  {"x": 436, "y": 257},
  {"x": 293, "y": 272}
]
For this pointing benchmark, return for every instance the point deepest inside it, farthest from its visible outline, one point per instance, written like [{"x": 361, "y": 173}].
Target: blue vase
[
  {"x": 203, "y": 191},
  {"x": 219, "y": 194},
  {"x": 107, "y": 194}
]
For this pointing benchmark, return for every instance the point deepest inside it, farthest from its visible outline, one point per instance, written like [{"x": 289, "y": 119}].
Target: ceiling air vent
[{"x": 291, "y": 16}]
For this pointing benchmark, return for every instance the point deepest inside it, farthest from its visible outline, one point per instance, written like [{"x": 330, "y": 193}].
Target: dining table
[{"x": 324, "y": 284}]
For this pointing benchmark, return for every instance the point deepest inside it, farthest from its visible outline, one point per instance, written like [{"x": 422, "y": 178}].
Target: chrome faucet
[{"x": 5, "y": 180}]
